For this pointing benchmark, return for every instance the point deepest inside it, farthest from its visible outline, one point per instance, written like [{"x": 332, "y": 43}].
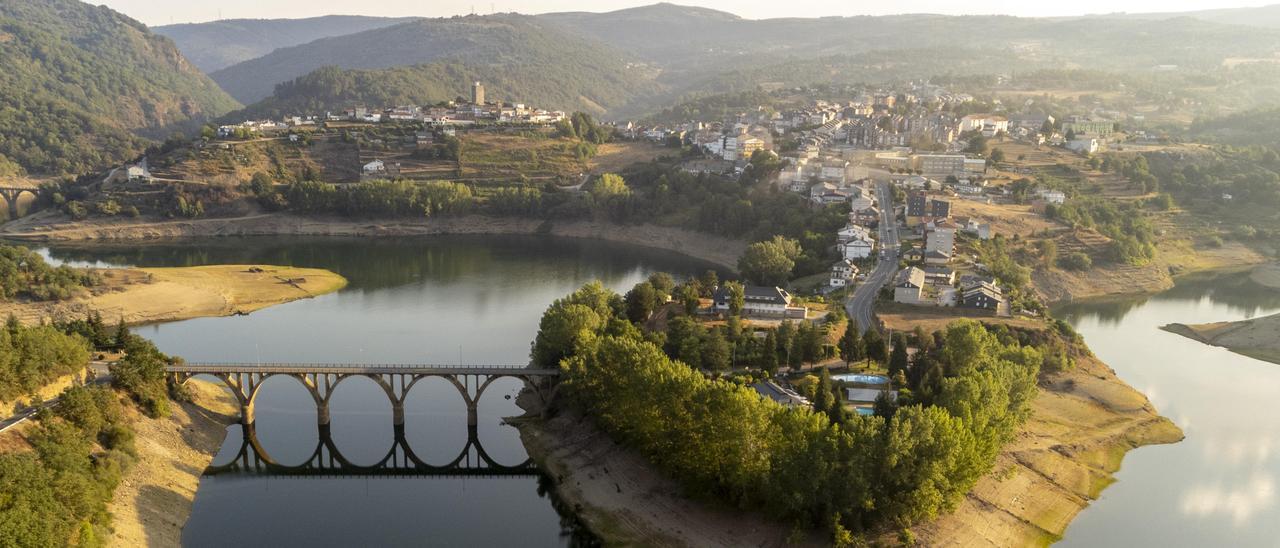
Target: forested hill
[
  {"x": 79, "y": 82},
  {"x": 219, "y": 44},
  {"x": 518, "y": 52},
  {"x": 331, "y": 89}
]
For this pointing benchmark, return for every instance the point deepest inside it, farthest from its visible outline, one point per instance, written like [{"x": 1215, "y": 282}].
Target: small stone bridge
[
  {"x": 396, "y": 381},
  {"x": 11, "y": 195}
]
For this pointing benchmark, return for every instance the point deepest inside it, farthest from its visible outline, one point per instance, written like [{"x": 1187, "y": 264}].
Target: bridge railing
[{"x": 373, "y": 368}]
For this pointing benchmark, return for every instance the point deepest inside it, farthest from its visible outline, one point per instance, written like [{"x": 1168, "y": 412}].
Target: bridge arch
[{"x": 12, "y": 198}]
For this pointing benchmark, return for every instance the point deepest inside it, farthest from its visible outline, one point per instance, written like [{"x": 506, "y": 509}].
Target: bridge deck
[{"x": 361, "y": 369}]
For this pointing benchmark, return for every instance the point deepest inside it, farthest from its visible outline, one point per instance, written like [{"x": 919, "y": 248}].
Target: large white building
[{"x": 858, "y": 248}]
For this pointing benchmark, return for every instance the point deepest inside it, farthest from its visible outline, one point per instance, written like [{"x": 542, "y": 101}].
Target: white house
[
  {"x": 941, "y": 238},
  {"x": 858, "y": 248},
  {"x": 1056, "y": 197},
  {"x": 376, "y": 166},
  {"x": 760, "y": 301},
  {"x": 842, "y": 273},
  {"x": 852, "y": 232}
]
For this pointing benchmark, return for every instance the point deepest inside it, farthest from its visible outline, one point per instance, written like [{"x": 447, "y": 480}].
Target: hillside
[
  {"x": 79, "y": 83},
  {"x": 219, "y": 44},
  {"x": 529, "y": 58}
]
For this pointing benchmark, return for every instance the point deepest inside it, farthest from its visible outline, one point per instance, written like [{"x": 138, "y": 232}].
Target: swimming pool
[
  {"x": 862, "y": 379},
  {"x": 865, "y": 411}
]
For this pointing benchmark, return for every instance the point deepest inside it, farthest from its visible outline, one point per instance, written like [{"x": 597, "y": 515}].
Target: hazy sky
[{"x": 162, "y": 12}]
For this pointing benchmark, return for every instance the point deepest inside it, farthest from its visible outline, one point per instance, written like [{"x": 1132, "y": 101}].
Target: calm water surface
[
  {"x": 1219, "y": 487},
  {"x": 440, "y": 300}
]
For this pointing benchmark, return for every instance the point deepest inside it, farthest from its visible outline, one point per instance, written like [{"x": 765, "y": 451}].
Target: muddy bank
[
  {"x": 153, "y": 501},
  {"x": 45, "y": 228},
  {"x": 149, "y": 295},
  {"x": 1257, "y": 338}
]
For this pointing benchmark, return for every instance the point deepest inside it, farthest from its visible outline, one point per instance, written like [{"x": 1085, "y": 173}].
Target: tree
[
  {"x": 769, "y": 354},
  {"x": 737, "y": 297},
  {"x": 823, "y": 395},
  {"x": 708, "y": 282},
  {"x": 1048, "y": 252},
  {"x": 690, "y": 299},
  {"x": 610, "y": 186},
  {"x": 996, "y": 157},
  {"x": 716, "y": 354},
  {"x": 663, "y": 283},
  {"x": 640, "y": 302},
  {"x": 560, "y": 329},
  {"x": 898, "y": 358},
  {"x": 850, "y": 343},
  {"x": 770, "y": 262},
  {"x": 874, "y": 346}
]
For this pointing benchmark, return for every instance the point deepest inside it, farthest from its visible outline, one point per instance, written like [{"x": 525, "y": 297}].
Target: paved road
[
  {"x": 101, "y": 374},
  {"x": 861, "y": 306}
]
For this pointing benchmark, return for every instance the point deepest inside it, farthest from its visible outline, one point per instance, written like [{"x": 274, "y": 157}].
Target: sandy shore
[
  {"x": 1257, "y": 338},
  {"x": 1083, "y": 423},
  {"x": 154, "y": 499},
  {"x": 47, "y": 227},
  {"x": 148, "y": 295}
]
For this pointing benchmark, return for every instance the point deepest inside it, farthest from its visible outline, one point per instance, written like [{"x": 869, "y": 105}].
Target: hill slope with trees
[
  {"x": 512, "y": 49},
  {"x": 79, "y": 83},
  {"x": 219, "y": 44}
]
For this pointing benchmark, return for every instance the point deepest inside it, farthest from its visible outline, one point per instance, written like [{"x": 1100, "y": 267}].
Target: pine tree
[
  {"x": 898, "y": 359},
  {"x": 822, "y": 395},
  {"x": 874, "y": 347},
  {"x": 769, "y": 354},
  {"x": 850, "y": 343}
]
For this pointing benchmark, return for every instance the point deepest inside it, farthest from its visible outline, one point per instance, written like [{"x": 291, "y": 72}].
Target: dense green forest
[
  {"x": 57, "y": 494},
  {"x": 720, "y": 440},
  {"x": 24, "y": 274},
  {"x": 77, "y": 81},
  {"x": 31, "y": 357}
]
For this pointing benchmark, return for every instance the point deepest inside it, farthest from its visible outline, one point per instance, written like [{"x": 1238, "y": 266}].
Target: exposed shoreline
[
  {"x": 151, "y": 505},
  {"x": 153, "y": 295},
  {"x": 1257, "y": 338},
  {"x": 723, "y": 252}
]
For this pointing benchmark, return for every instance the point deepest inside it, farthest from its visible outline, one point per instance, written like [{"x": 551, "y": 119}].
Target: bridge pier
[{"x": 11, "y": 196}]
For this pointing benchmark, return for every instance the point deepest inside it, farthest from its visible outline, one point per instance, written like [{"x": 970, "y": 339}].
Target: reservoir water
[
  {"x": 475, "y": 300},
  {"x": 439, "y": 300},
  {"x": 1220, "y": 486}
]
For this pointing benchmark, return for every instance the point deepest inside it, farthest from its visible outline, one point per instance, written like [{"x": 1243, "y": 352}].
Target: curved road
[{"x": 861, "y": 306}]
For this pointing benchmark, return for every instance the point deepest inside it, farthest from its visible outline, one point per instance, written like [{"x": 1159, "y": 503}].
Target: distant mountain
[
  {"x": 79, "y": 83},
  {"x": 219, "y": 44},
  {"x": 1263, "y": 16},
  {"x": 519, "y": 57}
]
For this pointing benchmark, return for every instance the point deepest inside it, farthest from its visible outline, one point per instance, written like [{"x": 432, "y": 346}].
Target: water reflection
[
  {"x": 1218, "y": 487},
  {"x": 441, "y": 300}
]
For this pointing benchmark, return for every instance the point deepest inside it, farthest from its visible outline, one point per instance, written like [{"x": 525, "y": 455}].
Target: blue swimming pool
[
  {"x": 865, "y": 411},
  {"x": 862, "y": 379}
]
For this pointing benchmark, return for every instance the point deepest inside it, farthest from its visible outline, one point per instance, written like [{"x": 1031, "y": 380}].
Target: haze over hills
[
  {"x": 79, "y": 83},
  {"x": 534, "y": 54},
  {"x": 219, "y": 44}
]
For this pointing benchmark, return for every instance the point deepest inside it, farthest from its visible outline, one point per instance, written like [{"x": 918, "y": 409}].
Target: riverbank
[
  {"x": 1083, "y": 423},
  {"x": 150, "y": 295},
  {"x": 624, "y": 501},
  {"x": 1111, "y": 280},
  {"x": 153, "y": 501},
  {"x": 1258, "y": 338},
  {"x": 48, "y": 227}
]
